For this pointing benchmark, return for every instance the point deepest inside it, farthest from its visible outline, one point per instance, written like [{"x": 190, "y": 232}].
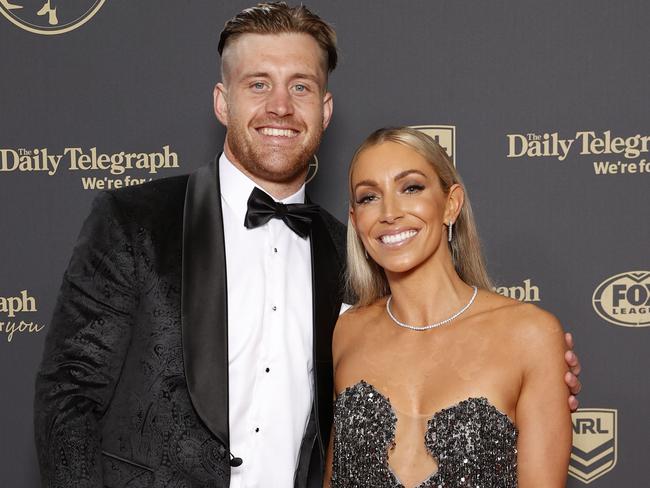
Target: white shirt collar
[{"x": 236, "y": 187}]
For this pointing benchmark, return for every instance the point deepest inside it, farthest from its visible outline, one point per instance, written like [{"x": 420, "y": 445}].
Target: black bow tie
[{"x": 262, "y": 208}]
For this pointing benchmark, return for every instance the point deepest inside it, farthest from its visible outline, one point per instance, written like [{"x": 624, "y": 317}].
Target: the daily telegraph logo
[
  {"x": 12, "y": 315},
  {"x": 595, "y": 439},
  {"x": 624, "y": 299},
  {"x": 526, "y": 292},
  {"x": 445, "y": 135},
  {"x": 49, "y": 17},
  {"x": 610, "y": 154},
  {"x": 87, "y": 162}
]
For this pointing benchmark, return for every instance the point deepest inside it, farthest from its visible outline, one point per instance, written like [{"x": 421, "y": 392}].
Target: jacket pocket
[{"x": 120, "y": 472}]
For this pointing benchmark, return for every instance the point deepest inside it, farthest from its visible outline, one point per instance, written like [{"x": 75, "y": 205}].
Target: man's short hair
[{"x": 279, "y": 18}]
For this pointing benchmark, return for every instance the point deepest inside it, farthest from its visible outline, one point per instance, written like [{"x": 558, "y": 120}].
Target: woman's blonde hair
[{"x": 366, "y": 280}]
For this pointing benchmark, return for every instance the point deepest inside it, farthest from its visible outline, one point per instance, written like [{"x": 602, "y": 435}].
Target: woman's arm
[{"x": 542, "y": 414}]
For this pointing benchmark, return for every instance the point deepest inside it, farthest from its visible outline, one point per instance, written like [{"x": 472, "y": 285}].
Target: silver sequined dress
[{"x": 474, "y": 444}]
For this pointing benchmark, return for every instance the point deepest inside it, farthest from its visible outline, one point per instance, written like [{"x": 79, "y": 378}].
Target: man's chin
[
  {"x": 281, "y": 167},
  {"x": 274, "y": 164},
  {"x": 282, "y": 175}
]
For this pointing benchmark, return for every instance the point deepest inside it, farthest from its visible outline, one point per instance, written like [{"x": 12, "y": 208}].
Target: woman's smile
[{"x": 397, "y": 238}]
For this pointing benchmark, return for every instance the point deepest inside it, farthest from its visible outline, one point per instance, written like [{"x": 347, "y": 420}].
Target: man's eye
[
  {"x": 258, "y": 85},
  {"x": 300, "y": 88}
]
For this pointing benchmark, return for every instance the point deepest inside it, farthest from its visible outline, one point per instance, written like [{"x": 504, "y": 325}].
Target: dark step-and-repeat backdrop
[{"x": 543, "y": 105}]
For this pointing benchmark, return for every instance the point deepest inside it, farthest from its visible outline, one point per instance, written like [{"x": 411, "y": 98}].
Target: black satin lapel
[
  {"x": 326, "y": 300},
  {"x": 204, "y": 301}
]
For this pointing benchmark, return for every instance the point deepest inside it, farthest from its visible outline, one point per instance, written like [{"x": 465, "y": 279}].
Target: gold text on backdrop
[
  {"x": 12, "y": 309},
  {"x": 604, "y": 149},
  {"x": 47, "y": 161},
  {"x": 526, "y": 292}
]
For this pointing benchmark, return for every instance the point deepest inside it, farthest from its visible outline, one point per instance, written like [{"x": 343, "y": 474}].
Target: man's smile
[{"x": 278, "y": 132}]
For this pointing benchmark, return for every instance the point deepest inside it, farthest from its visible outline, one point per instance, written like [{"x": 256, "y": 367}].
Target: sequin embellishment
[{"x": 475, "y": 444}]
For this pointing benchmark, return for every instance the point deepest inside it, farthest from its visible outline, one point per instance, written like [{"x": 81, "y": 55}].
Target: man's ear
[
  {"x": 220, "y": 103},
  {"x": 328, "y": 107},
  {"x": 455, "y": 200}
]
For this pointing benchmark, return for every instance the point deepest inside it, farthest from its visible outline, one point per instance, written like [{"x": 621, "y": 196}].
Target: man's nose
[{"x": 279, "y": 102}]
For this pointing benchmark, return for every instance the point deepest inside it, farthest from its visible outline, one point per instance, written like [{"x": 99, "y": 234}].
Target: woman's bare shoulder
[
  {"x": 530, "y": 319},
  {"x": 535, "y": 332},
  {"x": 515, "y": 314},
  {"x": 526, "y": 324},
  {"x": 351, "y": 324},
  {"x": 356, "y": 317}
]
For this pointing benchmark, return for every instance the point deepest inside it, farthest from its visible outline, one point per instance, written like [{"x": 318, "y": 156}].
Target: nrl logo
[
  {"x": 594, "y": 443},
  {"x": 445, "y": 135},
  {"x": 49, "y": 17}
]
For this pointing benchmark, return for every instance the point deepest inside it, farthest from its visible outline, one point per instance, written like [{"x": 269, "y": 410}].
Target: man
[{"x": 190, "y": 346}]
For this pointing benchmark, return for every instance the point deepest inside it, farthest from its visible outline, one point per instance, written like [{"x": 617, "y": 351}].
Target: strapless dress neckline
[
  {"x": 473, "y": 442},
  {"x": 430, "y": 416}
]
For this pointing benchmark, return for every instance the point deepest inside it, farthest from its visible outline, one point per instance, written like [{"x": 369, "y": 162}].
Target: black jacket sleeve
[{"x": 85, "y": 349}]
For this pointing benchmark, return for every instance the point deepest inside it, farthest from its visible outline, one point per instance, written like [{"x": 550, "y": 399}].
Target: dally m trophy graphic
[{"x": 49, "y": 17}]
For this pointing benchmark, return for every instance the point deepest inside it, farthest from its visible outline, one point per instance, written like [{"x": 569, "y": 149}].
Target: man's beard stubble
[{"x": 257, "y": 163}]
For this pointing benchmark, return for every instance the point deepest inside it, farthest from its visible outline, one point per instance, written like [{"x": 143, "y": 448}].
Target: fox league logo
[
  {"x": 49, "y": 17},
  {"x": 595, "y": 439},
  {"x": 624, "y": 299},
  {"x": 445, "y": 135}
]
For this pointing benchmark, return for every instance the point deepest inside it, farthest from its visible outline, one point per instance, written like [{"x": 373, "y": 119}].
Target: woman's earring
[
  {"x": 366, "y": 253},
  {"x": 449, "y": 233}
]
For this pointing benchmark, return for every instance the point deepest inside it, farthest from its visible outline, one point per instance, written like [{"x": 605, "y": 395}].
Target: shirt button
[
  {"x": 274, "y": 308},
  {"x": 267, "y": 370},
  {"x": 257, "y": 429},
  {"x": 275, "y": 249}
]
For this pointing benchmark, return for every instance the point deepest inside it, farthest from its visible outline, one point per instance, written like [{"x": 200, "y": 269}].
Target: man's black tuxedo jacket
[{"x": 133, "y": 387}]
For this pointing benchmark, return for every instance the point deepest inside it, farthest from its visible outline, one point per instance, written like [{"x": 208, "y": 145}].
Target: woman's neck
[{"x": 430, "y": 293}]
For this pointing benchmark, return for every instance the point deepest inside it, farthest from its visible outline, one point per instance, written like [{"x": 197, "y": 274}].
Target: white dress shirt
[{"x": 269, "y": 338}]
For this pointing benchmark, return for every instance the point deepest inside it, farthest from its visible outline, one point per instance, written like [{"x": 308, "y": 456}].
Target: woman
[{"x": 440, "y": 382}]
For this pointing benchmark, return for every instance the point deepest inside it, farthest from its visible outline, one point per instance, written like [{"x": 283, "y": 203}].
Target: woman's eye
[
  {"x": 413, "y": 188},
  {"x": 367, "y": 198}
]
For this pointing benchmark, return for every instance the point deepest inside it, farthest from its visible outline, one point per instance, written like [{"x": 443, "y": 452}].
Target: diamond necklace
[{"x": 436, "y": 324}]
